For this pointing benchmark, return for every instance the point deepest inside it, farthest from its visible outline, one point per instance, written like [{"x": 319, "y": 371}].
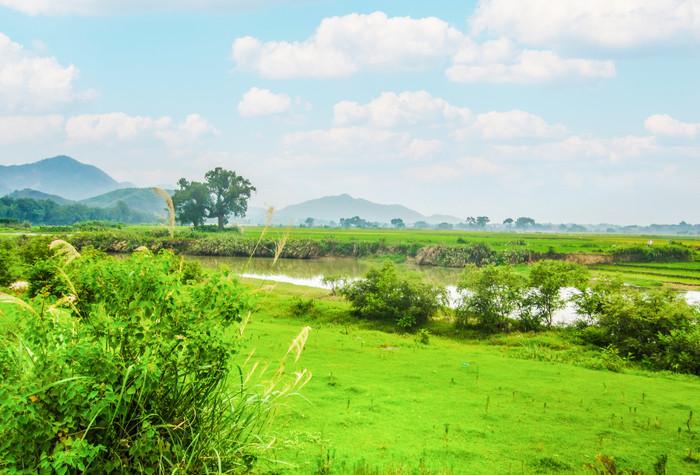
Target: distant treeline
[
  {"x": 194, "y": 242},
  {"x": 47, "y": 212}
]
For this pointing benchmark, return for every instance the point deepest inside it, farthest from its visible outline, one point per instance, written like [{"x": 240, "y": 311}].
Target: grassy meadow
[{"x": 388, "y": 403}]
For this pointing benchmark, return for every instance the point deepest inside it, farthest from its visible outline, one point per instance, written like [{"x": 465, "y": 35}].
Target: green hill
[
  {"x": 61, "y": 175},
  {"x": 140, "y": 199},
  {"x": 38, "y": 195},
  {"x": 332, "y": 208}
]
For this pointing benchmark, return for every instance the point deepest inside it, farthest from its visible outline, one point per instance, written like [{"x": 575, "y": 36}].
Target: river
[{"x": 310, "y": 273}]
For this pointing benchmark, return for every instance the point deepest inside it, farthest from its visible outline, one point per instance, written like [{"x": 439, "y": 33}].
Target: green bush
[
  {"x": 384, "y": 295},
  {"x": 656, "y": 327},
  {"x": 489, "y": 295},
  {"x": 132, "y": 375}
]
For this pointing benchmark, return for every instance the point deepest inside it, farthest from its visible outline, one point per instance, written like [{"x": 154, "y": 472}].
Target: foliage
[
  {"x": 224, "y": 193},
  {"x": 384, "y": 295},
  {"x": 49, "y": 212},
  {"x": 130, "y": 373},
  {"x": 398, "y": 223},
  {"x": 489, "y": 295},
  {"x": 7, "y": 264},
  {"x": 667, "y": 253},
  {"x": 590, "y": 301},
  {"x": 524, "y": 222},
  {"x": 356, "y": 222},
  {"x": 546, "y": 281},
  {"x": 657, "y": 327}
]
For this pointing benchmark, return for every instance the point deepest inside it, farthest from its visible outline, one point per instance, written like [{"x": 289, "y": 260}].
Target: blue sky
[{"x": 581, "y": 111}]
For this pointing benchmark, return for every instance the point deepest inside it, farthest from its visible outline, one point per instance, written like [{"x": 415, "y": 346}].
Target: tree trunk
[{"x": 221, "y": 221}]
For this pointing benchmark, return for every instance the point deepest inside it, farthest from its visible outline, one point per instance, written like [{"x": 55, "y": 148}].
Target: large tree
[
  {"x": 224, "y": 193},
  {"x": 191, "y": 202}
]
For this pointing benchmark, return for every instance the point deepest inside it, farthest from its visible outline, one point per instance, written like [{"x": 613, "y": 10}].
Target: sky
[{"x": 584, "y": 111}]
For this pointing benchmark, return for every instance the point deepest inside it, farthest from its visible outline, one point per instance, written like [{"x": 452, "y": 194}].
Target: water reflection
[{"x": 316, "y": 269}]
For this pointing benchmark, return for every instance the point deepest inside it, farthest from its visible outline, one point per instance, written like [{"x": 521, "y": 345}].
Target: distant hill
[
  {"x": 332, "y": 208},
  {"x": 139, "y": 199},
  {"x": 38, "y": 195},
  {"x": 61, "y": 175}
]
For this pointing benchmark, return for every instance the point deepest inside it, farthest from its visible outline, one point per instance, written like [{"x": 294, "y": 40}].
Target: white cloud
[
  {"x": 664, "y": 124},
  {"x": 419, "y": 148},
  {"x": 115, "y": 126},
  {"x": 342, "y": 46},
  {"x": 614, "y": 149},
  {"x": 29, "y": 128},
  {"x": 603, "y": 23},
  {"x": 30, "y": 82},
  {"x": 513, "y": 124},
  {"x": 407, "y": 108},
  {"x": 257, "y": 102},
  {"x": 118, "y": 127},
  {"x": 459, "y": 169},
  {"x": 194, "y": 128},
  {"x": 103, "y": 7},
  {"x": 348, "y": 140},
  {"x": 527, "y": 67}
]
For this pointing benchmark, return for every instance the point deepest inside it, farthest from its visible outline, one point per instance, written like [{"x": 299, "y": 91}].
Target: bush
[
  {"x": 656, "y": 327},
  {"x": 131, "y": 375},
  {"x": 383, "y": 295},
  {"x": 489, "y": 295}
]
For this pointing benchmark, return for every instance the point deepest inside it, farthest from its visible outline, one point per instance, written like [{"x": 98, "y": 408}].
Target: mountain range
[
  {"x": 65, "y": 180},
  {"x": 61, "y": 175}
]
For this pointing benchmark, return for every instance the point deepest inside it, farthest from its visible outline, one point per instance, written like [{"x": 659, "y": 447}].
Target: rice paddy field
[{"x": 388, "y": 403}]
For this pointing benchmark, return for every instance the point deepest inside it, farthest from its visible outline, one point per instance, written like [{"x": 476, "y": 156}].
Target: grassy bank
[{"x": 386, "y": 403}]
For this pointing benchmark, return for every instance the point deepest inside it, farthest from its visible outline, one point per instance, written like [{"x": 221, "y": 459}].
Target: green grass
[
  {"x": 654, "y": 274},
  {"x": 383, "y": 403}
]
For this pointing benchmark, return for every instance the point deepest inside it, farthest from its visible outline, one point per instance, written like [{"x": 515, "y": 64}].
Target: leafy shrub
[
  {"x": 657, "y": 327},
  {"x": 44, "y": 278},
  {"x": 546, "y": 280},
  {"x": 668, "y": 253},
  {"x": 384, "y": 295},
  {"x": 132, "y": 376},
  {"x": 489, "y": 295},
  {"x": 7, "y": 262}
]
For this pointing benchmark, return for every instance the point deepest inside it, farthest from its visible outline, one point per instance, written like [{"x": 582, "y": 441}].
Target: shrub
[
  {"x": 489, "y": 295},
  {"x": 657, "y": 327},
  {"x": 132, "y": 376},
  {"x": 546, "y": 280},
  {"x": 384, "y": 295}
]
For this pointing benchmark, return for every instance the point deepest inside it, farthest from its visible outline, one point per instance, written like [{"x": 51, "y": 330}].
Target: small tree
[
  {"x": 489, "y": 294},
  {"x": 508, "y": 222},
  {"x": 482, "y": 221},
  {"x": 309, "y": 223},
  {"x": 230, "y": 194},
  {"x": 191, "y": 202},
  {"x": 398, "y": 223},
  {"x": 524, "y": 222},
  {"x": 547, "y": 279},
  {"x": 384, "y": 295},
  {"x": 421, "y": 225}
]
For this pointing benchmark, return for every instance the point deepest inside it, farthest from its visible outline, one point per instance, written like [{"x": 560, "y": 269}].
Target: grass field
[
  {"x": 385, "y": 403},
  {"x": 537, "y": 242}
]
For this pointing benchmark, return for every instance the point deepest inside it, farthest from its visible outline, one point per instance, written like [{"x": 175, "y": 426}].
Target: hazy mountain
[
  {"x": 140, "y": 199},
  {"x": 332, "y": 208},
  {"x": 61, "y": 175},
  {"x": 38, "y": 195}
]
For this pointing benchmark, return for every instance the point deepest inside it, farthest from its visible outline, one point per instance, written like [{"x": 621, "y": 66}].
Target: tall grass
[{"x": 169, "y": 206}]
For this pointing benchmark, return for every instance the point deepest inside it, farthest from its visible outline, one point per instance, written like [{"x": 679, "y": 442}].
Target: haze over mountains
[
  {"x": 61, "y": 175},
  {"x": 64, "y": 180}
]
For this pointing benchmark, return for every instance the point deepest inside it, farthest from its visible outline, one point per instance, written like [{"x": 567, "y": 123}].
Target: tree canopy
[{"x": 223, "y": 193}]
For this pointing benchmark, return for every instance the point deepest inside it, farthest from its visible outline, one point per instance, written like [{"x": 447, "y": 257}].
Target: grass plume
[{"x": 170, "y": 206}]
